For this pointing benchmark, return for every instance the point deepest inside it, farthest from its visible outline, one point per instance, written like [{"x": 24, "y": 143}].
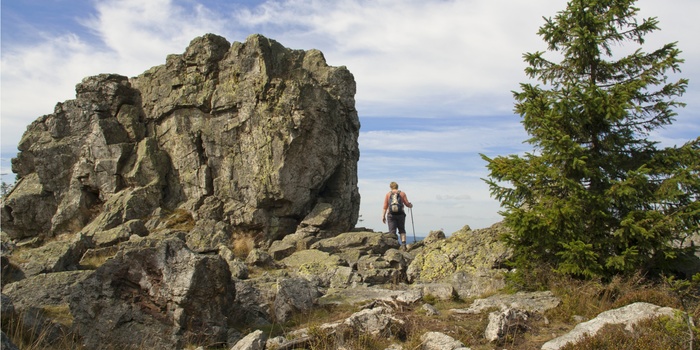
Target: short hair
[{"x": 394, "y": 186}]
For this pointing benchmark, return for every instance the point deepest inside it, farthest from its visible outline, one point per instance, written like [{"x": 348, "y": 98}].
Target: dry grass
[
  {"x": 242, "y": 244},
  {"x": 652, "y": 334},
  {"x": 29, "y": 334},
  {"x": 181, "y": 220},
  {"x": 579, "y": 298}
]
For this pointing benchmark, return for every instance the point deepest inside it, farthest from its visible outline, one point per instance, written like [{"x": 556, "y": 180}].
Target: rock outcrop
[
  {"x": 628, "y": 315},
  {"x": 470, "y": 261},
  {"x": 250, "y": 138}
]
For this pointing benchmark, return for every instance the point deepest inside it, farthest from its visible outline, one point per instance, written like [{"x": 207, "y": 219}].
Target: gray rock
[
  {"x": 378, "y": 321},
  {"x": 260, "y": 258},
  {"x": 254, "y": 298},
  {"x": 430, "y": 310},
  {"x": 54, "y": 256},
  {"x": 280, "y": 249},
  {"x": 366, "y": 242},
  {"x": 440, "y": 341},
  {"x": 237, "y": 267},
  {"x": 434, "y": 236},
  {"x": 119, "y": 234},
  {"x": 40, "y": 304},
  {"x": 6, "y": 343},
  {"x": 252, "y": 341},
  {"x": 155, "y": 295},
  {"x": 294, "y": 295},
  {"x": 48, "y": 289},
  {"x": 628, "y": 315},
  {"x": 442, "y": 291},
  {"x": 526, "y": 301},
  {"x": 361, "y": 294},
  {"x": 7, "y": 309},
  {"x": 502, "y": 323}
]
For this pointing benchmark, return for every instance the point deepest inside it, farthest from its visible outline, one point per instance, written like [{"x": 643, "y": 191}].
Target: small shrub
[{"x": 430, "y": 299}]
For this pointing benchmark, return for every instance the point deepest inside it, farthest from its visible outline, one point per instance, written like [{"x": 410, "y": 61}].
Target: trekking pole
[{"x": 413, "y": 225}]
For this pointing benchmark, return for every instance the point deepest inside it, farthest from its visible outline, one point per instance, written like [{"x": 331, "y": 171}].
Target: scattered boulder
[
  {"x": 434, "y": 236},
  {"x": 157, "y": 296},
  {"x": 526, "y": 301},
  {"x": 379, "y": 321},
  {"x": 440, "y": 341},
  {"x": 442, "y": 291},
  {"x": 502, "y": 323},
  {"x": 294, "y": 295},
  {"x": 430, "y": 310},
  {"x": 469, "y": 260},
  {"x": 259, "y": 258},
  {"x": 628, "y": 315},
  {"x": 238, "y": 268},
  {"x": 252, "y": 341},
  {"x": 363, "y": 294}
]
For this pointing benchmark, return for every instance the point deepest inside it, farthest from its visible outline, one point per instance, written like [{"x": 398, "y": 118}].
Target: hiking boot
[{"x": 403, "y": 247}]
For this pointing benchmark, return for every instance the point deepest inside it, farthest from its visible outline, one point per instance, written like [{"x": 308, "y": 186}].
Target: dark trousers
[{"x": 396, "y": 222}]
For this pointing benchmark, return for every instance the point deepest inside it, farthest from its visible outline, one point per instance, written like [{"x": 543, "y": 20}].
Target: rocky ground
[{"x": 155, "y": 292}]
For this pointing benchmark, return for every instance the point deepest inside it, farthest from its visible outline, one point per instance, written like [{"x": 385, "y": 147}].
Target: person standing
[{"x": 393, "y": 211}]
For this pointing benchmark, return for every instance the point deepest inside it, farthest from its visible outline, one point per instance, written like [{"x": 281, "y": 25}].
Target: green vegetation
[{"x": 596, "y": 197}]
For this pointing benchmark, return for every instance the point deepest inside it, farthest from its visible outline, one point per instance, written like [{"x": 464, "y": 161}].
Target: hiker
[{"x": 394, "y": 201}]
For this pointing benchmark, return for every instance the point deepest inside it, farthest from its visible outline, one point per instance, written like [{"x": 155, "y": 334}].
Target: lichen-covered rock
[
  {"x": 263, "y": 135},
  {"x": 156, "y": 295},
  {"x": 321, "y": 268},
  {"x": 55, "y": 256},
  {"x": 627, "y": 315},
  {"x": 48, "y": 289},
  {"x": 40, "y": 304},
  {"x": 294, "y": 295},
  {"x": 469, "y": 260}
]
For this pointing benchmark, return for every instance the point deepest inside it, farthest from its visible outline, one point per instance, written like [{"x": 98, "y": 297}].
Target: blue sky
[{"x": 434, "y": 77}]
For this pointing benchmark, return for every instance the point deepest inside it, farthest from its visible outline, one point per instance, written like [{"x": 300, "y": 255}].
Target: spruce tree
[{"x": 596, "y": 197}]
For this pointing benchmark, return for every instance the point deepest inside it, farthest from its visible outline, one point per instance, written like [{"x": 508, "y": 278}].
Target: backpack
[{"x": 396, "y": 203}]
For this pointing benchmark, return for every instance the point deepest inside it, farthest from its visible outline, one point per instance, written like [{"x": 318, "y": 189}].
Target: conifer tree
[{"x": 596, "y": 197}]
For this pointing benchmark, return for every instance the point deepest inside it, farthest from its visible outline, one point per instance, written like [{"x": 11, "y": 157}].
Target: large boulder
[
  {"x": 628, "y": 315},
  {"x": 38, "y": 305},
  {"x": 159, "y": 295},
  {"x": 470, "y": 260},
  {"x": 253, "y": 138}
]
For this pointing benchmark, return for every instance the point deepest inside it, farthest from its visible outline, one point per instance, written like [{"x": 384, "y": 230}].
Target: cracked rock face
[{"x": 249, "y": 136}]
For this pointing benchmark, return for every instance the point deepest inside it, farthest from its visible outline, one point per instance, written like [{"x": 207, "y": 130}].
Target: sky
[{"x": 434, "y": 77}]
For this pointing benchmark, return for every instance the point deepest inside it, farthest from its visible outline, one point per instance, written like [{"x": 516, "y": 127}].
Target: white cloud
[
  {"x": 442, "y": 59},
  {"x": 459, "y": 139}
]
